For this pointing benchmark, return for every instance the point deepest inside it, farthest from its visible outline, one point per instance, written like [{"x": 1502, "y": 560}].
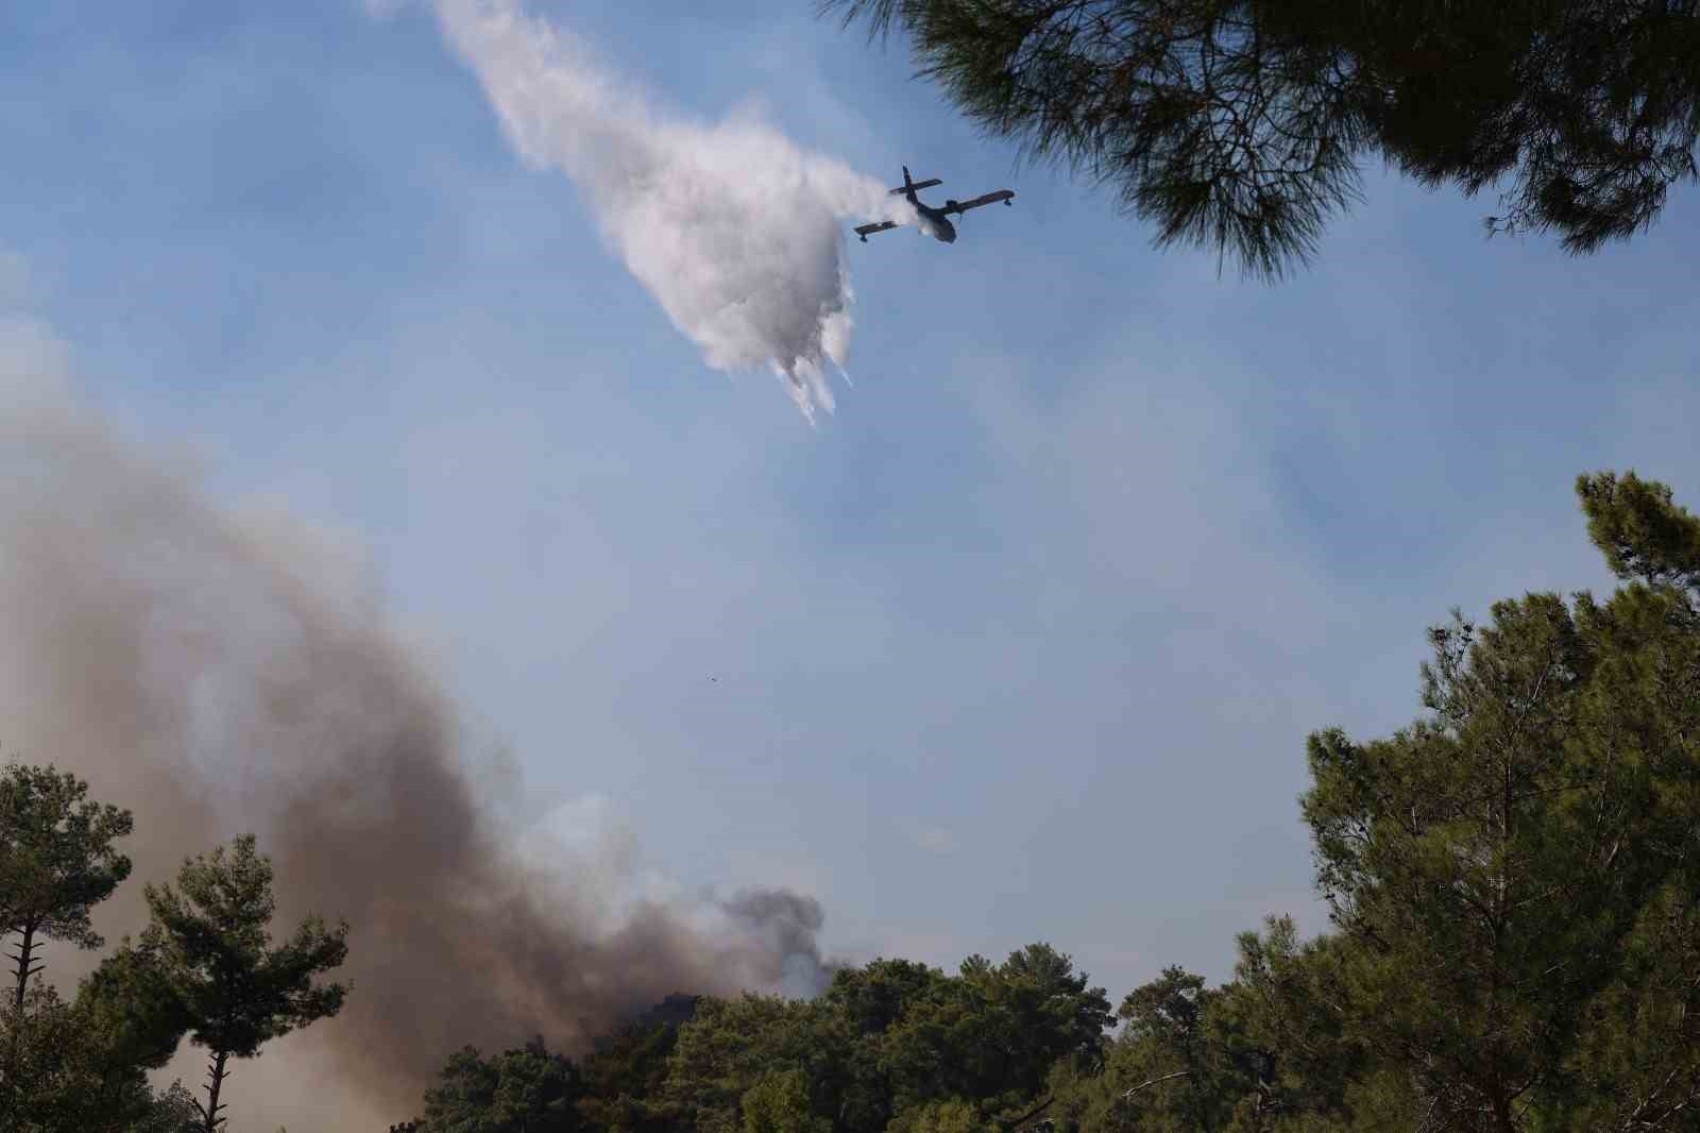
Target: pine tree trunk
[
  {"x": 23, "y": 972},
  {"x": 215, "y": 1083}
]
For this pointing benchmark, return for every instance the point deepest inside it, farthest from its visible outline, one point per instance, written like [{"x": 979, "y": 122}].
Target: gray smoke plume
[
  {"x": 788, "y": 924},
  {"x": 219, "y": 671},
  {"x": 736, "y": 231}
]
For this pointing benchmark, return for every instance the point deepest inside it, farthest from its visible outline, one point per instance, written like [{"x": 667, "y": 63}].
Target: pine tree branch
[{"x": 1155, "y": 1081}]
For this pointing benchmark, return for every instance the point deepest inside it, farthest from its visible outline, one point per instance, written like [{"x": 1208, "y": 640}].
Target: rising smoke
[
  {"x": 735, "y": 231},
  {"x": 220, "y": 671}
]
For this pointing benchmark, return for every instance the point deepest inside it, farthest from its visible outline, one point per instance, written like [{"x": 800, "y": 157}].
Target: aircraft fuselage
[{"x": 935, "y": 221}]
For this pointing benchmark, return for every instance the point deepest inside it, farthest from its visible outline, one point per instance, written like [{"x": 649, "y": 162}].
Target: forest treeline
[{"x": 1514, "y": 946}]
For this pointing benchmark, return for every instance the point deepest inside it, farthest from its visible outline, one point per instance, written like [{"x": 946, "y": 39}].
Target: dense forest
[{"x": 1513, "y": 880}]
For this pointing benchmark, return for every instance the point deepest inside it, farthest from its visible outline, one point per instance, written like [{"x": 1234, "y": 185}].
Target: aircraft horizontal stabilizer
[{"x": 916, "y": 187}]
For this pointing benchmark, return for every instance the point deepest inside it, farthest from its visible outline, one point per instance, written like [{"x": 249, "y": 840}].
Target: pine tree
[
  {"x": 57, "y": 861},
  {"x": 210, "y": 939},
  {"x": 1243, "y": 124}
]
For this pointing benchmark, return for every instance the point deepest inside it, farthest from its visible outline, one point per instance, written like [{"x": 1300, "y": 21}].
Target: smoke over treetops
[
  {"x": 217, "y": 671},
  {"x": 734, "y": 230}
]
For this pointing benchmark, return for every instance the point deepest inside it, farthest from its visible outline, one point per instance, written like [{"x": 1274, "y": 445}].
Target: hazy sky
[{"x": 1023, "y": 642}]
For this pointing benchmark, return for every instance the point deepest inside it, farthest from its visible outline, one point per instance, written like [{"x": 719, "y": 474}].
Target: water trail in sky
[{"x": 736, "y": 231}]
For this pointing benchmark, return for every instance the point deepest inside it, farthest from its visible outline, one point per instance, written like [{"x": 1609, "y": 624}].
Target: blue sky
[{"x": 1024, "y": 641}]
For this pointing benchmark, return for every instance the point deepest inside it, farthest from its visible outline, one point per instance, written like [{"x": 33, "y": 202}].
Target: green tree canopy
[
  {"x": 78, "y": 1064},
  {"x": 730, "y": 1045},
  {"x": 779, "y": 1103},
  {"x": 1243, "y": 124},
  {"x": 1515, "y": 890},
  {"x": 951, "y": 1115},
  {"x": 624, "y": 1075},
  {"x": 1515, "y": 873},
  {"x": 57, "y": 862},
  {"x": 1245, "y": 1057},
  {"x": 888, "y": 1040},
  {"x": 994, "y": 1032},
  {"x": 131, "y": 1009},
  {"x": 74, "y": 1074},
  {"x": 1640, "y": 529},
  {"x": 210, "y": 939},
  {"x": 528, "y": 1090}
]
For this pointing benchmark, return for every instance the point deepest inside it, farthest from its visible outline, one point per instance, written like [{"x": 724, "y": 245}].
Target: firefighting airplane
[{"x": 934, "y": 220}]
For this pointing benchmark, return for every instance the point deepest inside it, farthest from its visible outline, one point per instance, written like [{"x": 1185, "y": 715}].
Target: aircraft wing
[
  {"x": 988, "y": 199},
  {"x": 867, "y": 230}
]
